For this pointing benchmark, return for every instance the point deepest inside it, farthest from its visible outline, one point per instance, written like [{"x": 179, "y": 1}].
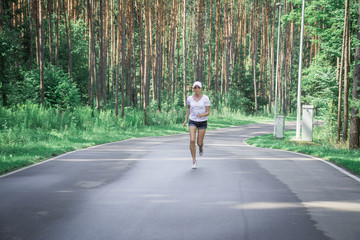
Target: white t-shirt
[{"x": 198, "y": 107}]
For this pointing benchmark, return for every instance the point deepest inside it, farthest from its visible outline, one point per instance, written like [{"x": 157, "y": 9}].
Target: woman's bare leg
[
  {"x": 200, "y": 139},
  {"x": 192, "y": 131}
]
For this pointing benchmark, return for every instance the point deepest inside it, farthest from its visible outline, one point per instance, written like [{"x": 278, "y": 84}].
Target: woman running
[{"x": 198, "y": 108}]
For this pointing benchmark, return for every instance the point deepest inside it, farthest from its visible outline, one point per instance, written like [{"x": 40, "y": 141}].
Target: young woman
[{"x": 198, "y": 108}]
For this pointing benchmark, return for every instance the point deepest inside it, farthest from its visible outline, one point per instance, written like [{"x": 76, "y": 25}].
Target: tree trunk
[
  {"x": 244, "y": 28},
  {"x": 68, "y": 37},
  {"x": 255, "y": 44},
  {"x": 106, "y": 50},
  {"x": 346, "y": 73},
  {"x": 102, "y": 62},
  {"x": 184, "y": 53},
  {"x": 200, "y": 62},
  {"x": 31, "y": 34},
  {"x": 91, "y": 53},
  {"x": 172, "y": 47},
  {"x": 339, "y": 123},
  {"x": 141, "y": 48},
  {"x": 159, "y": 49},
  {"x": 272, "y": 57},
  {"x": 147, "y": 60},
  {"x": 123, "y": 57},
  {"x": 58, "y": 16},
  {"x": 118, "y": 55},
  {"x": 50, "y": 3},
  {"x": 355, "y": 121},
  {"x": 266, "y": 49},
  {"x": 291, "y": 53},
  {"x": 239, "y": 27},
  {"x": 217, "y": 45},
  {"x": 130, "y": 32},
  {"x": 113, "y": 49},
  {"x": 227, "y": 46},
  {"x": 1, "y": 13},
  {"x": 210, "y": 50},
  {"x": 35, "y": 13},
  {"x": 153, "y": 56},
  {"x": 41, "y": 50}
]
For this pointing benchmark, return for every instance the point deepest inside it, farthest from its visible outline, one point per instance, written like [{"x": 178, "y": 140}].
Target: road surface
[{"x": 145, "y": 189}]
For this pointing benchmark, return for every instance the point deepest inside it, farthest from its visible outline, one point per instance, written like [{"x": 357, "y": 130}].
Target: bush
[{"x": 60, "y": 91}]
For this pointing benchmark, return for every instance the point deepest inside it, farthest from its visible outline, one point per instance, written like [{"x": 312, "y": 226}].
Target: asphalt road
[{"x": 145, "y": 189}]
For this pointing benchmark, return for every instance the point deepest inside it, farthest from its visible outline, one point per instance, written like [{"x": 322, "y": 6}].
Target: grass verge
[
  {"x": 320, "y": 147},
  {"x": 30, "y": 134}
]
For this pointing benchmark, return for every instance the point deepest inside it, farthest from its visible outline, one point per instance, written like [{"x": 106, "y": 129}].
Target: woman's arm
[
  {"x": 206, "y": 113},
  {"x": 187, "y": 115}
]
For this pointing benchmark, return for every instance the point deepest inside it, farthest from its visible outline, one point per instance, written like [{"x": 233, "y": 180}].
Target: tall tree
[
  {"x": 200, "y": 60},
  {"x": 255, "y": 46},
  {"x": 106, "y": 49},
  {"x": 130, "y": 33},
  {"x": 184, "y": 51},
  {"x": 50, "y": 3},
  {"x": 346, "y": 74},
  {"x": 160, "y": 26},
  {"x": 354, "y": 120},
  {"x": 41, "y": 50},
  {"x": 272, "y": 54},
  {"x": 227, "y": 45},
  {"x": 102, "y": 63},
  {"x": 147, "y": 60},
  {"x": 90, "y": 5},
  {"x": 58, "y": 17},
  {"x": 31, "y": 33},
  {"x": 141, "y": 48},
  {"x": 123, "y": 26},
  {"x": 210, "y": 49},
  {"x": 290, "y": 56},
  {"x": 68, "y": 36},
  {"x": 113, "y": 48},
  {"x": 152, "y": 18},
  {"x": 217, "y": 46},
  {"x": 172, "y": 47},
  {"x": 118, "y": 55},
  {"x": 342, "y": 64}
]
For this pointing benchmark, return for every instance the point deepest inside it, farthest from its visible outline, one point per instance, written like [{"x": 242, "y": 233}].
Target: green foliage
[
  {"x": 319, "y": 86},
  {"x": 236, "y": 101},
  {"x": 30, "y": 133},
  {"x": 10, "y": 56},
  {"x": 79, "y": 55},
  {"x": 60, "y": 91},
  {"x": 174, "y": 115}
]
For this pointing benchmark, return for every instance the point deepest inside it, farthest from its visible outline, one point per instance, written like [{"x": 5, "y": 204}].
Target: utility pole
[
  {"x": 300, "y": 72},
  {"x": 277, "y": 67}
]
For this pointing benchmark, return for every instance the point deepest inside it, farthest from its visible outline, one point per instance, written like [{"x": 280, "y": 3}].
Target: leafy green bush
[
  {"x": 60, "y": 91},
  {"x": 175, "y": 114}
]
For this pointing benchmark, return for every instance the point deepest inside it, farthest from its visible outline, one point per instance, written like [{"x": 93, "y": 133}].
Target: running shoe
[
  {"x": 194, "y": 166},
  {"x": 201, "y": 151}
]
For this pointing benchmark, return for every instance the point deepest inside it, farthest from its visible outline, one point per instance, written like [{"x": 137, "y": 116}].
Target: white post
[
  {"x": 300, "y": 71},
  {"x": 277, "y": 66}
]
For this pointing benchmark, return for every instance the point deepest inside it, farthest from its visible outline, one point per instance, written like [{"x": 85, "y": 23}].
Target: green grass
[
  {"x": 30, "y": 134},
  {"x": 320, "y": 147}
]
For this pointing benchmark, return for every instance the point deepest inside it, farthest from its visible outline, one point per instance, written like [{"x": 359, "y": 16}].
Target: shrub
[{"x": 60, "y": 91}]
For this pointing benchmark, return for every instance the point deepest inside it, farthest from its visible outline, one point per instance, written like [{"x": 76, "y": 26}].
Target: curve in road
[{"x": 145, "y": 189}]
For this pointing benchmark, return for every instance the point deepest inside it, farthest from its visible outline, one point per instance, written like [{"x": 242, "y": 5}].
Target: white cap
[{"x": 197, "y": 84}]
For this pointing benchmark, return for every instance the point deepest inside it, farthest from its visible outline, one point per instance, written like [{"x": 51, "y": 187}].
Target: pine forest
[{"x": 118, "y": 56}]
